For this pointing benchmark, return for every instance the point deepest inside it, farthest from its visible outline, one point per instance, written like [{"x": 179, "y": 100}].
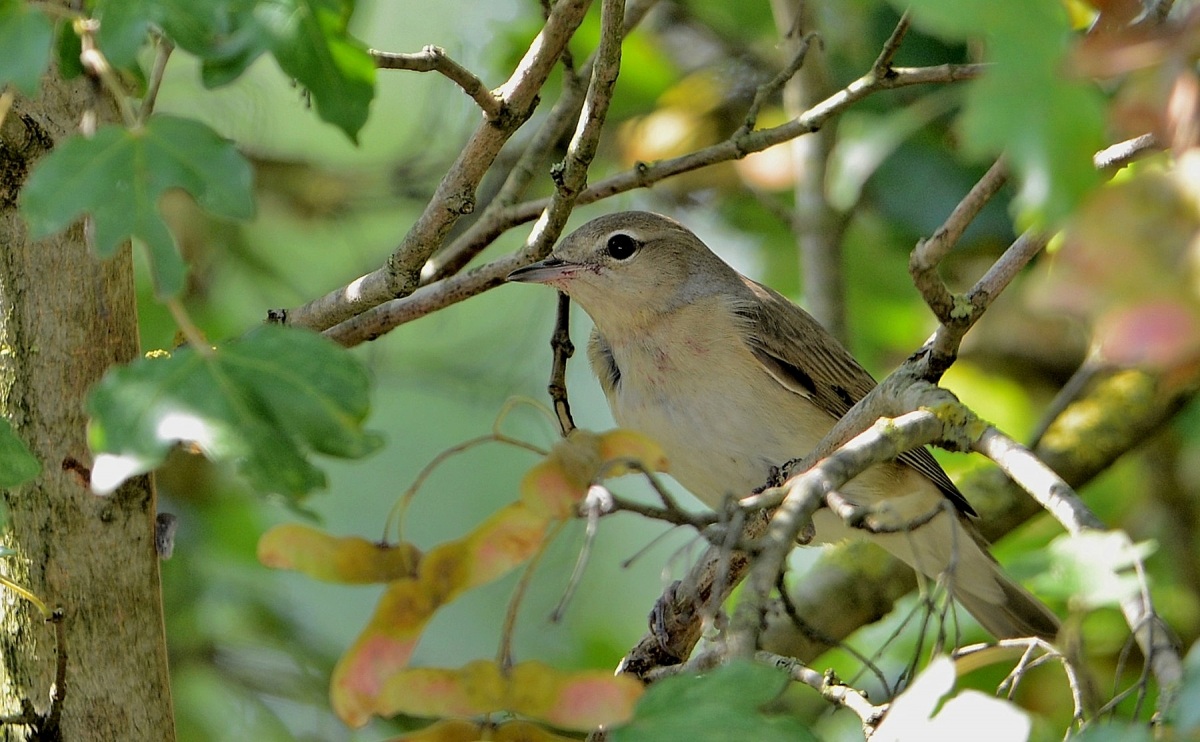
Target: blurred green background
[{"x": 251, "y": 649}]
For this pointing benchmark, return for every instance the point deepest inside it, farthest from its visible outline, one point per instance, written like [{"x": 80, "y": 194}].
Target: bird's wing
[{"x": 802, "y": 356}]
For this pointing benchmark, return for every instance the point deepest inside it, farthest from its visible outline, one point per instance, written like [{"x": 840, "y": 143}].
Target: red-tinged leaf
[
  {"x": 501, "y": 543},
  {"x": 1161, "y": 335},
  {"x": 452, "y": 730},
  {"x": 475, "y": 689},
  {"x": 557, "y": 484},
  {"x": 577, "y": 700},
  {"x": 456, "y": 730},
  {"x": 383, "y": 647},
  {"x": 570, "y": 700},
  {"x": 349, "y": 559}
]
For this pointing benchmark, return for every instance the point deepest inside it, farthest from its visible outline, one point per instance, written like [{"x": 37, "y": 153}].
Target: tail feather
[{"x": 949, "y": 545}]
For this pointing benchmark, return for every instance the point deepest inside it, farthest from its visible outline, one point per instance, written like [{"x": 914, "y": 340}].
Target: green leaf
[
  {"x": 123, "y": 27},
  {"x": 1114, "y": 731},
  {"x": 223, "y": 34},
  {"x": 1184, "y": 716},
  {"x": 68, "y": 48},
  {"x": 1047, "y": 124},
  {"x": 310, "y": 41},
  {"x": 118, "y": 176},
  {"x": 25, "y": 37},
  {"x": 17, "y": 464},
  {"x": 260, "y": 402},
  {"x": 720, "y": 705}
]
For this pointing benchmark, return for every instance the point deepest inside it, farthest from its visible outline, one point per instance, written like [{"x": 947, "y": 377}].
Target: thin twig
[
  {"x": 380, "y": 319},
  {"x": 434, "y": 59},
  {"x": 830, "y": 688},
  {"x": 560, "y": 342},
  {"x": 772, "y": 87},
  {"x": 883, "y": 63},
  {"x": 94, "y": 61},
  {"x": 162, "y": 53},
  {"x": 928, "y": 254}
]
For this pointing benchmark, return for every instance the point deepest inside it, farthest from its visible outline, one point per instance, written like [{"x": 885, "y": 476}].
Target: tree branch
[
  {"x": 455, "y": 194},
  {"x": 453, "y": 289},
  {"x": 434, "y": 59}
]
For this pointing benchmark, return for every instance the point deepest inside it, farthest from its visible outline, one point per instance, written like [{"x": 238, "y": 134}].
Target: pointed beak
[{"x": 552, "y": 271}]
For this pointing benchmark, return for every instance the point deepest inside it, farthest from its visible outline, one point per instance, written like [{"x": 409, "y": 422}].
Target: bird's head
[{"x": 627, "y": 267}]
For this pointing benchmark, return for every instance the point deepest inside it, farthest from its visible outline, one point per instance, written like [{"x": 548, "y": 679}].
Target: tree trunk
[{"x": 65, "y": 318}]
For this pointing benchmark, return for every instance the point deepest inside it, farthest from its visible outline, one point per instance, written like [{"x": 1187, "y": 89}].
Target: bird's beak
[{"x": 551, "y": 271}]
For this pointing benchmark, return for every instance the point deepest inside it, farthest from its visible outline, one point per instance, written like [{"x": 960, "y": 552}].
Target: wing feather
[{"x": 802, "y": 356}]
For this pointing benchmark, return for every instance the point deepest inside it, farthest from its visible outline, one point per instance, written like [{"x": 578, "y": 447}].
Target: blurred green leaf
[
  {"x": 721, "y": 705},
  {"x": 1116, "y": 731},
  {"x": 1185, "y": 714},
  {"x": 1093, "y": 569},
  {"x": 123, "y": 27},
  {"x": 118, "y": 176},
  {"x": 310, "y": 41},
  {"x": 259, "y": 401},
  {"x": 17, "y": 463},
  {"x": 25, "y": 37},
  {"x": 68, "y": 47},
  {"x": 1048, "y": 125}
]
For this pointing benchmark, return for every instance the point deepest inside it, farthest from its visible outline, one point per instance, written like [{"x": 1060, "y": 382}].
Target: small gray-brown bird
[{"x": 733, "y": 379}]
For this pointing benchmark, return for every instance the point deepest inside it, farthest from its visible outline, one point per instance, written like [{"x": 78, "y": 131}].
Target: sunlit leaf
[
  {"x": 348, "y": 559},
  {"x": 25, "y": 36},
  {"x": 260, "y": 402},
  {"x": 17, "y": 463},
  {"x": 1094, "y": 569},
  {"x": 118, "y": 176},
  {"x": 385, "y": 644},
  {"x": 915, "y": 713},
  {"x": 720, "y": 705}
]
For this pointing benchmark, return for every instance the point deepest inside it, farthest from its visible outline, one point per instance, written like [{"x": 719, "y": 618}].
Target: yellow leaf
[{"x": 348, "y": 559}]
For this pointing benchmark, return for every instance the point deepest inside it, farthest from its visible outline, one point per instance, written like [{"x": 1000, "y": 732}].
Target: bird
[{"x": 733, "y": 380}]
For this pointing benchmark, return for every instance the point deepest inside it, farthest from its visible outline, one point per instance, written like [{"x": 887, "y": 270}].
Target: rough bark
[{"x": 65, "y": 317}]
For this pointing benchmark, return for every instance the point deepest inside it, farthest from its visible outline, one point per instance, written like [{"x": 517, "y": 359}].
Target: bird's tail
[{"x": 950, "y": 546}]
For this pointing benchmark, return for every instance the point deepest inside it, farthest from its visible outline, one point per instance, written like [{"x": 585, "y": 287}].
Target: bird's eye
[{"x": 621, "y": 246}]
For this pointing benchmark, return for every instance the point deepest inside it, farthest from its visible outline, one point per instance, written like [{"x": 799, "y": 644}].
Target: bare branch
[
  {"x": 564, "y": 113},
  {"x": 455, "y": 194},
  {"x": 928, "y": 254},
  {"x": 434, "y": 59},
  {"x": 1123, "y": 153},
  {"x": 943, "y": 348},
  {"x": 451, "y": 290},
  {"x": 1056, "y": 496},
  {"x": 830, "y": 688},
  {"x": 803, "y": 495},
  {"x": 883, "y": 62}
]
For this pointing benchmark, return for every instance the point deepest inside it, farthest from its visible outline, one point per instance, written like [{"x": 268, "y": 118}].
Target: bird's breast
[{"x": 692, "y": 384}]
